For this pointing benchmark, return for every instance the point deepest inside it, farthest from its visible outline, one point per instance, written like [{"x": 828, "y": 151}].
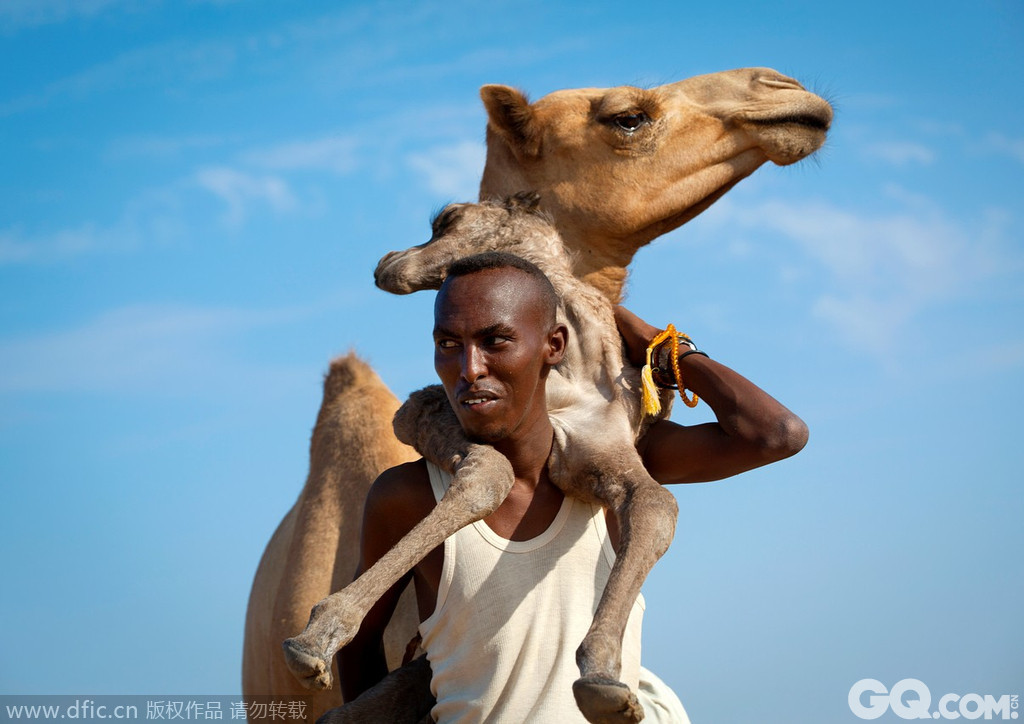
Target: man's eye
[
  {"x": 494, "y": 341},
  {"x": 446, "y": 343}
]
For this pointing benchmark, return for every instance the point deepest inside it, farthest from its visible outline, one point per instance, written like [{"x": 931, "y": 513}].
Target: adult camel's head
[{"x": 617, "y": 167}]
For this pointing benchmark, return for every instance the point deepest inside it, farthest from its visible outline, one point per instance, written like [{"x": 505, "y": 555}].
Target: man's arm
[
  {"x": 397, "y": 501},
  {"x": 753, "y": 428}
]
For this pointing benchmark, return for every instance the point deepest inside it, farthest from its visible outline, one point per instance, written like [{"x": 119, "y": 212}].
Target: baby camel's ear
[
  {"x": 510, "y": 117},
  {"x": 523, "y": 200}
]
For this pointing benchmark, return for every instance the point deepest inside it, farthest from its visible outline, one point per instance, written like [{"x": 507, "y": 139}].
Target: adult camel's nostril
[
  {"x": 775, "y": 79},
  {"x": 782, "y": 84}
]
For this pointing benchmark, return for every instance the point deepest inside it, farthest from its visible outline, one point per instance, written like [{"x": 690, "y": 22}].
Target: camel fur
[{"x": 615, "y": 168}]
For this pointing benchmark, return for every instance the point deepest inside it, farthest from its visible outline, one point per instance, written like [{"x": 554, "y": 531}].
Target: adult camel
[{"x": 615, "y": 168}]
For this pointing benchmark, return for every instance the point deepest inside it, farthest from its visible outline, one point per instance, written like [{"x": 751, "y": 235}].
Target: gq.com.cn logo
[{"x": 911, "y": 699}]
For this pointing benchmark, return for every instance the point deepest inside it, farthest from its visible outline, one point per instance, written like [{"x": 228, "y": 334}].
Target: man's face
[{"x": 493, "y": 342}]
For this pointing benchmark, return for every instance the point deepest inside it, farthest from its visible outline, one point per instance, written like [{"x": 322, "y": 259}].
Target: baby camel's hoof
[
  {"x": 606, "y": 701},
  {"x": 311, "y": 670}
]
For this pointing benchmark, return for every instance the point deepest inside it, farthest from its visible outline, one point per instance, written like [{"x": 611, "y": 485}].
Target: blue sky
[{"x": 194, "y": 196}]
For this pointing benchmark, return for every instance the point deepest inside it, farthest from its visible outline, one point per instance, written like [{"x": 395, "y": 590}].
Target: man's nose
[{"x": 473, "y": 364}]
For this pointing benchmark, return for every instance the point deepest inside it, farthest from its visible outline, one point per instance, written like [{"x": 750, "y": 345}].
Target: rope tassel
[{"x": 652, "y": 401}]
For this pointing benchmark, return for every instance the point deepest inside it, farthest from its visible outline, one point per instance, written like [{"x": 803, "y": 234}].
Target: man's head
[
  {"x": 495, "y": 339},
  {"x": 503, "y": 260}
]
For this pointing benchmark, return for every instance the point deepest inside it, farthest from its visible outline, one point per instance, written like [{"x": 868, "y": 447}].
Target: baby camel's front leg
[
  {"x": 482, "y": 480},
  {"x": 646, "y": 513}
]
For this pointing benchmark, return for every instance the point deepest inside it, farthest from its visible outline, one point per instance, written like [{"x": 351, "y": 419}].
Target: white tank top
[{"x": 510, "y": 614}]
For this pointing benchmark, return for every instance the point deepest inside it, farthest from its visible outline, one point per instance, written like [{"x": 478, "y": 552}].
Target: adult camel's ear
[{"x": 510, "y": 116}]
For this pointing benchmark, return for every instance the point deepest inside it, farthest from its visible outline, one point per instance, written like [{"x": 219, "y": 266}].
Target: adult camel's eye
[{"x": 630, "y": 122}]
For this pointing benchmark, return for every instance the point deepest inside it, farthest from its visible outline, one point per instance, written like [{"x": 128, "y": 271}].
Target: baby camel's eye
[
  {"x": 443, "y": 220},
  {"x": 630, "y": 122}
]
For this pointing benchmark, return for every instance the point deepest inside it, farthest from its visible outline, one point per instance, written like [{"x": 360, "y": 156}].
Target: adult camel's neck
[
  {"x": 598, "y": 258},
  {"x": 599, "y": 261}
]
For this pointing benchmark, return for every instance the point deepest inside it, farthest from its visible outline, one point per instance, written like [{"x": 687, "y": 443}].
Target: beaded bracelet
[{"x": 652, "y": 374}]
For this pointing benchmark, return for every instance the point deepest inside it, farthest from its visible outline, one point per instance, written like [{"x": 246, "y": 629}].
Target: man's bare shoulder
[
  {"x": 402, "y": 481},
  {"x": 400, "y": 498}
]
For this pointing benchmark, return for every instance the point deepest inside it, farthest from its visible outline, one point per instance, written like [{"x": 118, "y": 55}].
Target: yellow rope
[{"x": 651, "y": 399}]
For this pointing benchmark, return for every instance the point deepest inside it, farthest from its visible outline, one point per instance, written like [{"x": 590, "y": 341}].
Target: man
[{"x": 501, "y": 637}]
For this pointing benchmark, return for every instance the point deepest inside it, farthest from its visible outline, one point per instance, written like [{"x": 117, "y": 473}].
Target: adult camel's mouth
[
  {"x": 814, "y": 121},
  {"x": 791, "y": 136}
]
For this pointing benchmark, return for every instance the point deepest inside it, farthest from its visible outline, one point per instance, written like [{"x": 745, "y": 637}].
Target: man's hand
[{"x": 636, "y": 333}]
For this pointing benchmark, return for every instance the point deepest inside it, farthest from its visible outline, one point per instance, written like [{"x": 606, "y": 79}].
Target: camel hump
[
  {"x": 348, "y": 373},
  {"x": 353, "y": 436}
]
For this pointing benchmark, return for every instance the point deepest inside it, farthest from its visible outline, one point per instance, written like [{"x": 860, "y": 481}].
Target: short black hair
[{"x": 503, "y": 260}]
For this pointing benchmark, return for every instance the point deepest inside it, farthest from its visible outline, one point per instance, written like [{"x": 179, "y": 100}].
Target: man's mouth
[{"x": 477, "y": 398}]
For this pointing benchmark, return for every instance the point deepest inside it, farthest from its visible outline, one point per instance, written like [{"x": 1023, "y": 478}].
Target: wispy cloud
[
  {"x": 452, "y": 171},
  {"x": 502, "y": 60},
  {"x": 16, "y": 248},
  {"x": 901, "y": 153},
  {"x": 152, "y": 218},
  {"x": 334, "y": 153},
  {"x": 18, "y": 14},
  {"x": 259, "y": 177},
  {"x": 148, "y": 348},
  {"x": 240, "y": 190},
  {"x": 154, "y": 146},
  {"x": 1012, "y": 147},
  {"x": 881, "y": 271},
  {"x": 165, "y": 65},
  {"x": 344, "y": 40}
]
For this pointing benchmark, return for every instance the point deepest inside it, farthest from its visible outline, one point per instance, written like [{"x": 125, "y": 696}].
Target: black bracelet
[
  {"x": 657, "y": 372},
  {"x": 693, "y": 351}
]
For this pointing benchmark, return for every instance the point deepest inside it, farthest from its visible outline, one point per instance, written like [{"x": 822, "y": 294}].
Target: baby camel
[{"x": 594, "y": 402}]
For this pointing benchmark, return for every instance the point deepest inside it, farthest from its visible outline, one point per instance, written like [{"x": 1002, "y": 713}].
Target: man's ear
[
  {"x": 510, "y": 116},
  {"x": 557, "y": 340}
]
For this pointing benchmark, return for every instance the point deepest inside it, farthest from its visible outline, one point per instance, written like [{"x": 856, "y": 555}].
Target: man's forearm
[
  {"x": 743, "y": 410},
  {"x": 752, "y": 428}
]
